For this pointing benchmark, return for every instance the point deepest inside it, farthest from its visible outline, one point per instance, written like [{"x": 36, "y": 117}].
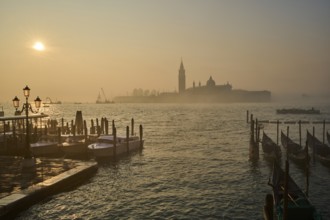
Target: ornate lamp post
[{"x": 27, "y": 107}]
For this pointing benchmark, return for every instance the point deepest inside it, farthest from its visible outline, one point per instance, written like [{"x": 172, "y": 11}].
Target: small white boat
[
  {"x": 46, "y": 146},
  {"x": 104, "y": 146},
  {"x": 75, "y": 146}
]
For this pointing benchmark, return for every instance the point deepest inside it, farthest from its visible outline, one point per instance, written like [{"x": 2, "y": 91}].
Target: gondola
[
  {"x": 299, "y": 207},
  {"x": 295, "y": 152},
  {"x": 270, "y": 148},
  {"x": 320, "y": 150}
]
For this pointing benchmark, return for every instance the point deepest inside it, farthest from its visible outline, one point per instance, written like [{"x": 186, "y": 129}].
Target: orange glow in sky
[{"x": 280, "y": 46}]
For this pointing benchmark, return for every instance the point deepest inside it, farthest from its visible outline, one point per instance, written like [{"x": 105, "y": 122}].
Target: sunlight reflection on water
[{"x": 194, "y": 165}]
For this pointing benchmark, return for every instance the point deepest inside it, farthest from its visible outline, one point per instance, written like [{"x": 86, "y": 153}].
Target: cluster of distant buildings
[{"x": 201, "y": 93}]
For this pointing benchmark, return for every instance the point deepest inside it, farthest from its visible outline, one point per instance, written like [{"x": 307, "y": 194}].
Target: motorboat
[{"x": 108, "y": 146}]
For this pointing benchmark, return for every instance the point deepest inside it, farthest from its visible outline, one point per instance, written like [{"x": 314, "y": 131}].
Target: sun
[{"x": 39, "y": 46}]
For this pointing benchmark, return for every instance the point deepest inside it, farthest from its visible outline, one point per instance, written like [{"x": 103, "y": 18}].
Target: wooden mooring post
[
  {"x": 113, "y": 126},
  {"x": 141, "y": 136},
  {"x": 132, "y": 127},
  {"x": 286, "y": 185},
  {"x": 127, "y": 138},
  {"x": 313, "y": 145},
  {"x": 106, "y": 126},
  {"x": 247, "y": 116},
  {"x": 307, "y": 169},
  {"x": 114, "y": 141},
  {"x": 254, "y": 145},
  {"x": 287, "y": 148},
  {"x": 323, "y": 131}
]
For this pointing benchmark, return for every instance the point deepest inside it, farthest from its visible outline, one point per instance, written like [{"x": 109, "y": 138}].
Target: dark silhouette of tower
[{"x": 182, "y": 78}]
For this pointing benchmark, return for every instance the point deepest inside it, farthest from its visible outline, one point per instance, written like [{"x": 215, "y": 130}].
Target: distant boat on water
[
  {"x": 49, "y": 101},
  {"x": 297, "y": 111}
]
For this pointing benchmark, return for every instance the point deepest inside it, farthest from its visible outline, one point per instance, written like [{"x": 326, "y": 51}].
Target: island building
[{"x": 210, "y": 92}]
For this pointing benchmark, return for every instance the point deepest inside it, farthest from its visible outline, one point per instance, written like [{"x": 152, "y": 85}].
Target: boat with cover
[
  {"x": 105, "y": 145},
  {"x": 299, "y": 206},
  {"x": 295, "y": 151},
  {"x": 47, "y": 145},
  {"x": 270, "y": 148},
  {"x": 321, "y": 151},
  {"x": 75, "y": 146}
]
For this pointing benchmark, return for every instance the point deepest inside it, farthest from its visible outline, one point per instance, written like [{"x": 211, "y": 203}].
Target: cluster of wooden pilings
[
  {"x": 254, "y": 138},
  {"x": 256, "y": 125},
  {"x": 13, "y": 135}
]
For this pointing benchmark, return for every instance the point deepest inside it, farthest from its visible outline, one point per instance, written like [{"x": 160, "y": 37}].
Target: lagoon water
[{"x": 194, "y": 165}]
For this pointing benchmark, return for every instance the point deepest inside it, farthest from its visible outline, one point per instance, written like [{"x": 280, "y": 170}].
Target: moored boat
[
  {"x": 107, "y": 146},
  {"x": 46, "y": 146},
  {"x": 295, "y": 152},
  {"x": 297, "y": 111},
  {"x": 75, "y": 146},
  {"x": 270, "y": 148},
  {"x": 298, "y": 205},
  {"x": 320, "y": 150}
]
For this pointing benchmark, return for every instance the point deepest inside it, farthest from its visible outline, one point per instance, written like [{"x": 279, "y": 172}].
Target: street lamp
[{"x": 27, "y": 107}]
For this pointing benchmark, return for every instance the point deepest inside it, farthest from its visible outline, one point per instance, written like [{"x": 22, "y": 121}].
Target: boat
[
  {"x": 297, "y": 111},
  {"x": 75, "y": 146},
  {"x": 105, "y": 145},
  {"x": 295, "y": 151},
  {"x": 49, "y": 101},
  {"x": 47, "y": 145},
  {"x": 299, "y": 206},
  {"x": 270, "y": 148},
  {"x": 320, "y": 150}
]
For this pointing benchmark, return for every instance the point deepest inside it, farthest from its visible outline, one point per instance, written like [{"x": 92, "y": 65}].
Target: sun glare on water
[{"x": 38, "y": 46}]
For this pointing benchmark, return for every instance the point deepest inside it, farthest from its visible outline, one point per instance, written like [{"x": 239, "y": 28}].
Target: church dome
[{"x": 210, "y": 82}]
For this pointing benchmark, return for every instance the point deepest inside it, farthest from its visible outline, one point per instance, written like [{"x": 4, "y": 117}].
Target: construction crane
[{"x": 104, "y": 100}]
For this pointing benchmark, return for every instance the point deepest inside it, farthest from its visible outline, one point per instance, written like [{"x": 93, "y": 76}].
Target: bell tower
[{"x": 182, "y": 78}]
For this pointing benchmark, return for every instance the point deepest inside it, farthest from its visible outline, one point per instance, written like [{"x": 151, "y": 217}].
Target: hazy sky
[{"x": 282, "y": 46}]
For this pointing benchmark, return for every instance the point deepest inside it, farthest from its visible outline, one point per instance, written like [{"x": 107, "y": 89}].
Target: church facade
[{"x": 211, "y": 92}]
